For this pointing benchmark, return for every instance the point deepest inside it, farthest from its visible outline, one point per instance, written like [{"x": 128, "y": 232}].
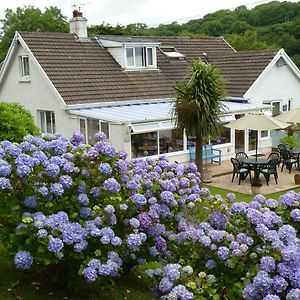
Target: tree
[
  {"x": 29, "y": 18},
  {"x": 15, "y": 122},
  {"x": 198, "y": 104}
]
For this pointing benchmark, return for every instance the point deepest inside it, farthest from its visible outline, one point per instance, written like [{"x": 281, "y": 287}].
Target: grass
[{"x": 245, "y": 197}]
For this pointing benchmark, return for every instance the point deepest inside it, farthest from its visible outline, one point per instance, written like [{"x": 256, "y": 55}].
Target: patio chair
[
  {"x": 288, "y": 160},
  {"x": 239, "y": 170},
  {"x": 270, "y": 169},
  {"x": 240, "y": 156},
  {"x": 276, "y": 156}
]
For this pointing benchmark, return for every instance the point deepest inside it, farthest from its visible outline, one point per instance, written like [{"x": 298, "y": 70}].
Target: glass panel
[
  {"x": 264, "y": 133},
  {"x": 129, "y": 56},
  {"x": 105, "y": 128},
  {"x": 276, "y": 109},
  {"x": 170, "y": 141},
  {"x": 25, "y": 66},
  {"x": 138, "y": 56},
  {"x": 93, "y": 128},
  {"x": 48, "y": 122},
  {"x": 144, "y": 144},
  {"x": 43, "y": 122},
  {"x": 53, "y": 122},
  {"x": 145, "y": 126},
  {"x": 82, "y": 127},
  {"x": 239, "y": 141},
  {"x": 252, "y": 139},
  {"x": 149, "y": 57},
  {"x": 222, "y": 138}
]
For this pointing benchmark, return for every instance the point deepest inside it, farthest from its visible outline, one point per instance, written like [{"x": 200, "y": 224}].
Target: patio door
[
  {"x": 239, "y": 138},
  {"x": 251, "y": 140},
  {"x": 239, "y": 141}
]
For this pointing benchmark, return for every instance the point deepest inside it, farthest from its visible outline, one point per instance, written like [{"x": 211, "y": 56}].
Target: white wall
[
  {"x": 278, "y": 84},
  {"x": 35, "y": 95}
]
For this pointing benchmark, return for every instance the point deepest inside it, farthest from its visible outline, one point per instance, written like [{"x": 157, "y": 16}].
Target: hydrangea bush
[{"x": 86, "y": 207}]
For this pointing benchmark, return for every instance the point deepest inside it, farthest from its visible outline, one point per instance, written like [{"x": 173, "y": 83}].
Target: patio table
[{"x": 256, "y": 163}]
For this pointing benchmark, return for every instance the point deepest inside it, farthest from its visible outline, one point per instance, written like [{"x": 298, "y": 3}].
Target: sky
[{"x": 124, "y": 12}]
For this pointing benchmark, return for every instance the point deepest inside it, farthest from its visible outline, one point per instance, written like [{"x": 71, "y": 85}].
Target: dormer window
[{"x": 140, "y": 57}]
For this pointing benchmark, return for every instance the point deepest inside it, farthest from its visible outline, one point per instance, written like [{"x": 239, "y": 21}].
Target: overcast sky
[{"x": 151, "y": 12}]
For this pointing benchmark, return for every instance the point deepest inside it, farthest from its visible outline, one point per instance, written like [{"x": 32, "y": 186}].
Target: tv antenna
[{"x": 80, "y": 5}]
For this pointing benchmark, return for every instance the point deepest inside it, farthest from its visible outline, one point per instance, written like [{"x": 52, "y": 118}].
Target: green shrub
[
  {"x": 290, "y": 141},
  {"x": 15, "y": 122}
]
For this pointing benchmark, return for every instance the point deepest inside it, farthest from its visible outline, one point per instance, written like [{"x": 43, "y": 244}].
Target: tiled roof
[
  {"x": 241, "y": 69},
  {"x": 85, "y": 72}
]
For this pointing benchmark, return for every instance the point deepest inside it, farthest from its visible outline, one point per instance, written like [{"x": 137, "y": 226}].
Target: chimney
[{"x": 78, "y": 24}]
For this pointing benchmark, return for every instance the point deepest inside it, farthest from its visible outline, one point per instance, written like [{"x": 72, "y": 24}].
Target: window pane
[
  {"x": 264, "y": 133},
  {"x": 129, "y": 56},
  {"x": 93, "y": 128},
  {"x": 222, "y": 138},
  {"x": 43, "y": 122},
  {"x": 48, "y": 122},
  {"x": 25, "y": 66},
  {"x": 53, "y": 122},
  {"x": 82, "y": 127},
  {"x": 144, "y": 144},
  {"x": 276, "y": 109},
  {"x": 170, "y": 141},
  {"x": 149, "y": 57},
  {"x": 138, "y": 56},
  {"x": 105, "y": 128}
]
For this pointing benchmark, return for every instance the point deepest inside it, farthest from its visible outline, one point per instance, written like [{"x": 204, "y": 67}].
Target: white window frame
[
  {"x": 24, "y": 67},
  {"x": 145, "y": 57},
  {"x": 43, "y": 121}
]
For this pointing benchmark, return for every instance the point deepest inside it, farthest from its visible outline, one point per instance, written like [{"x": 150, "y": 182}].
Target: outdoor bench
[{"x": 208, "y": 153}]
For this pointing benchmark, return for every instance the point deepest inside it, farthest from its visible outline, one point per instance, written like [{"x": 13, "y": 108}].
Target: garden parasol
[
  {"x": 257, "y": 121},
  {"x": 292, "y": 116}
]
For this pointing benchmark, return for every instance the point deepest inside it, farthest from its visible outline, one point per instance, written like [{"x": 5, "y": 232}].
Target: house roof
[
  {"x": 83, "y": 71},
  {"x": 241, "y": 69},
  {"x": 147, "y": 111}
]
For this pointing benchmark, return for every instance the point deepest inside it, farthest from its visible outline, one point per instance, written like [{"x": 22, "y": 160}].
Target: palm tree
[{"x": 198, "y": 104}]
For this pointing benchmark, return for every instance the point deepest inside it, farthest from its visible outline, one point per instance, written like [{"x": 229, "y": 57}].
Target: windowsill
[
  {"x": 135, "y": 69},
  {"x": 25, "y": 79}
]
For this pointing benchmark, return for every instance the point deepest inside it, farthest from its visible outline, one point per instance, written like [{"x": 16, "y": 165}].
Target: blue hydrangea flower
[
  {"x": 57, "y": 189},
  {"x": 55, "y": 245},
  {"x": 90, "y": 274},
  {"x": 30, "y": 202},
  {"x": 139, "y": 199},
  {"x": 165, "y": 285},
  {"x": 105, "y": 168},
  {"x": 66, "y": 181},
  {"x": 52, "y": 170},
  {"x": 42, "y": 233},
  {"x": 23, "y": 260},
  {"x": 111, "y": 185},
  {"x": 83, "y": 199},
  {"x": 5, "y": 183}
]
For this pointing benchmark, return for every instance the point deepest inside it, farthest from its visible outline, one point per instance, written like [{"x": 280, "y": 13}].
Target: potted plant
[{"x": 297, "y": 178}]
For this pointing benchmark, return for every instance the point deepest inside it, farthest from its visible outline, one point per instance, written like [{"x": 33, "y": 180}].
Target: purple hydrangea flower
[
  {"x": 52, "y": 170},
  {"x": 268, "y": 263},
  {"x": 66, "y": 181},
  {"x": 139, "y": 199},
  {"x": 30, "y": 202},
  {"x": 111, "y": 185},
  {"x": 23, "y": 260},
  {"x": 165, "y": 285},
  {"x": 42, "y": 233},
  {"x": 83, "y": 199},
  {"x": 105, "y": 168},
  {"x": 57, "y": 189},
  {"x": 90, "y": 274},
  {"x": 55, "y": 245}
]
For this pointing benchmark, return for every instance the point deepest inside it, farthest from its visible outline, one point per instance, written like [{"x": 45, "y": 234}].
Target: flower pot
[
  {"x": 255, "y": 190},
  {"x": 297, "y": 179},
  {"x": 206, "y": 175}
]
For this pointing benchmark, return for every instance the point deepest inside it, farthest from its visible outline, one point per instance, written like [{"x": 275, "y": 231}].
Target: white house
[{"x": 124, "y": 86}]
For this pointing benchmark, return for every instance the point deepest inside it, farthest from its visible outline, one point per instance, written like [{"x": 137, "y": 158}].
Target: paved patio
[{"x": 222, "y": 175}]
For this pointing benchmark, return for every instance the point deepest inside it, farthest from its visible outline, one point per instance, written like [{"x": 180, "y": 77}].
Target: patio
[{"x": 222, "y": 175}]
